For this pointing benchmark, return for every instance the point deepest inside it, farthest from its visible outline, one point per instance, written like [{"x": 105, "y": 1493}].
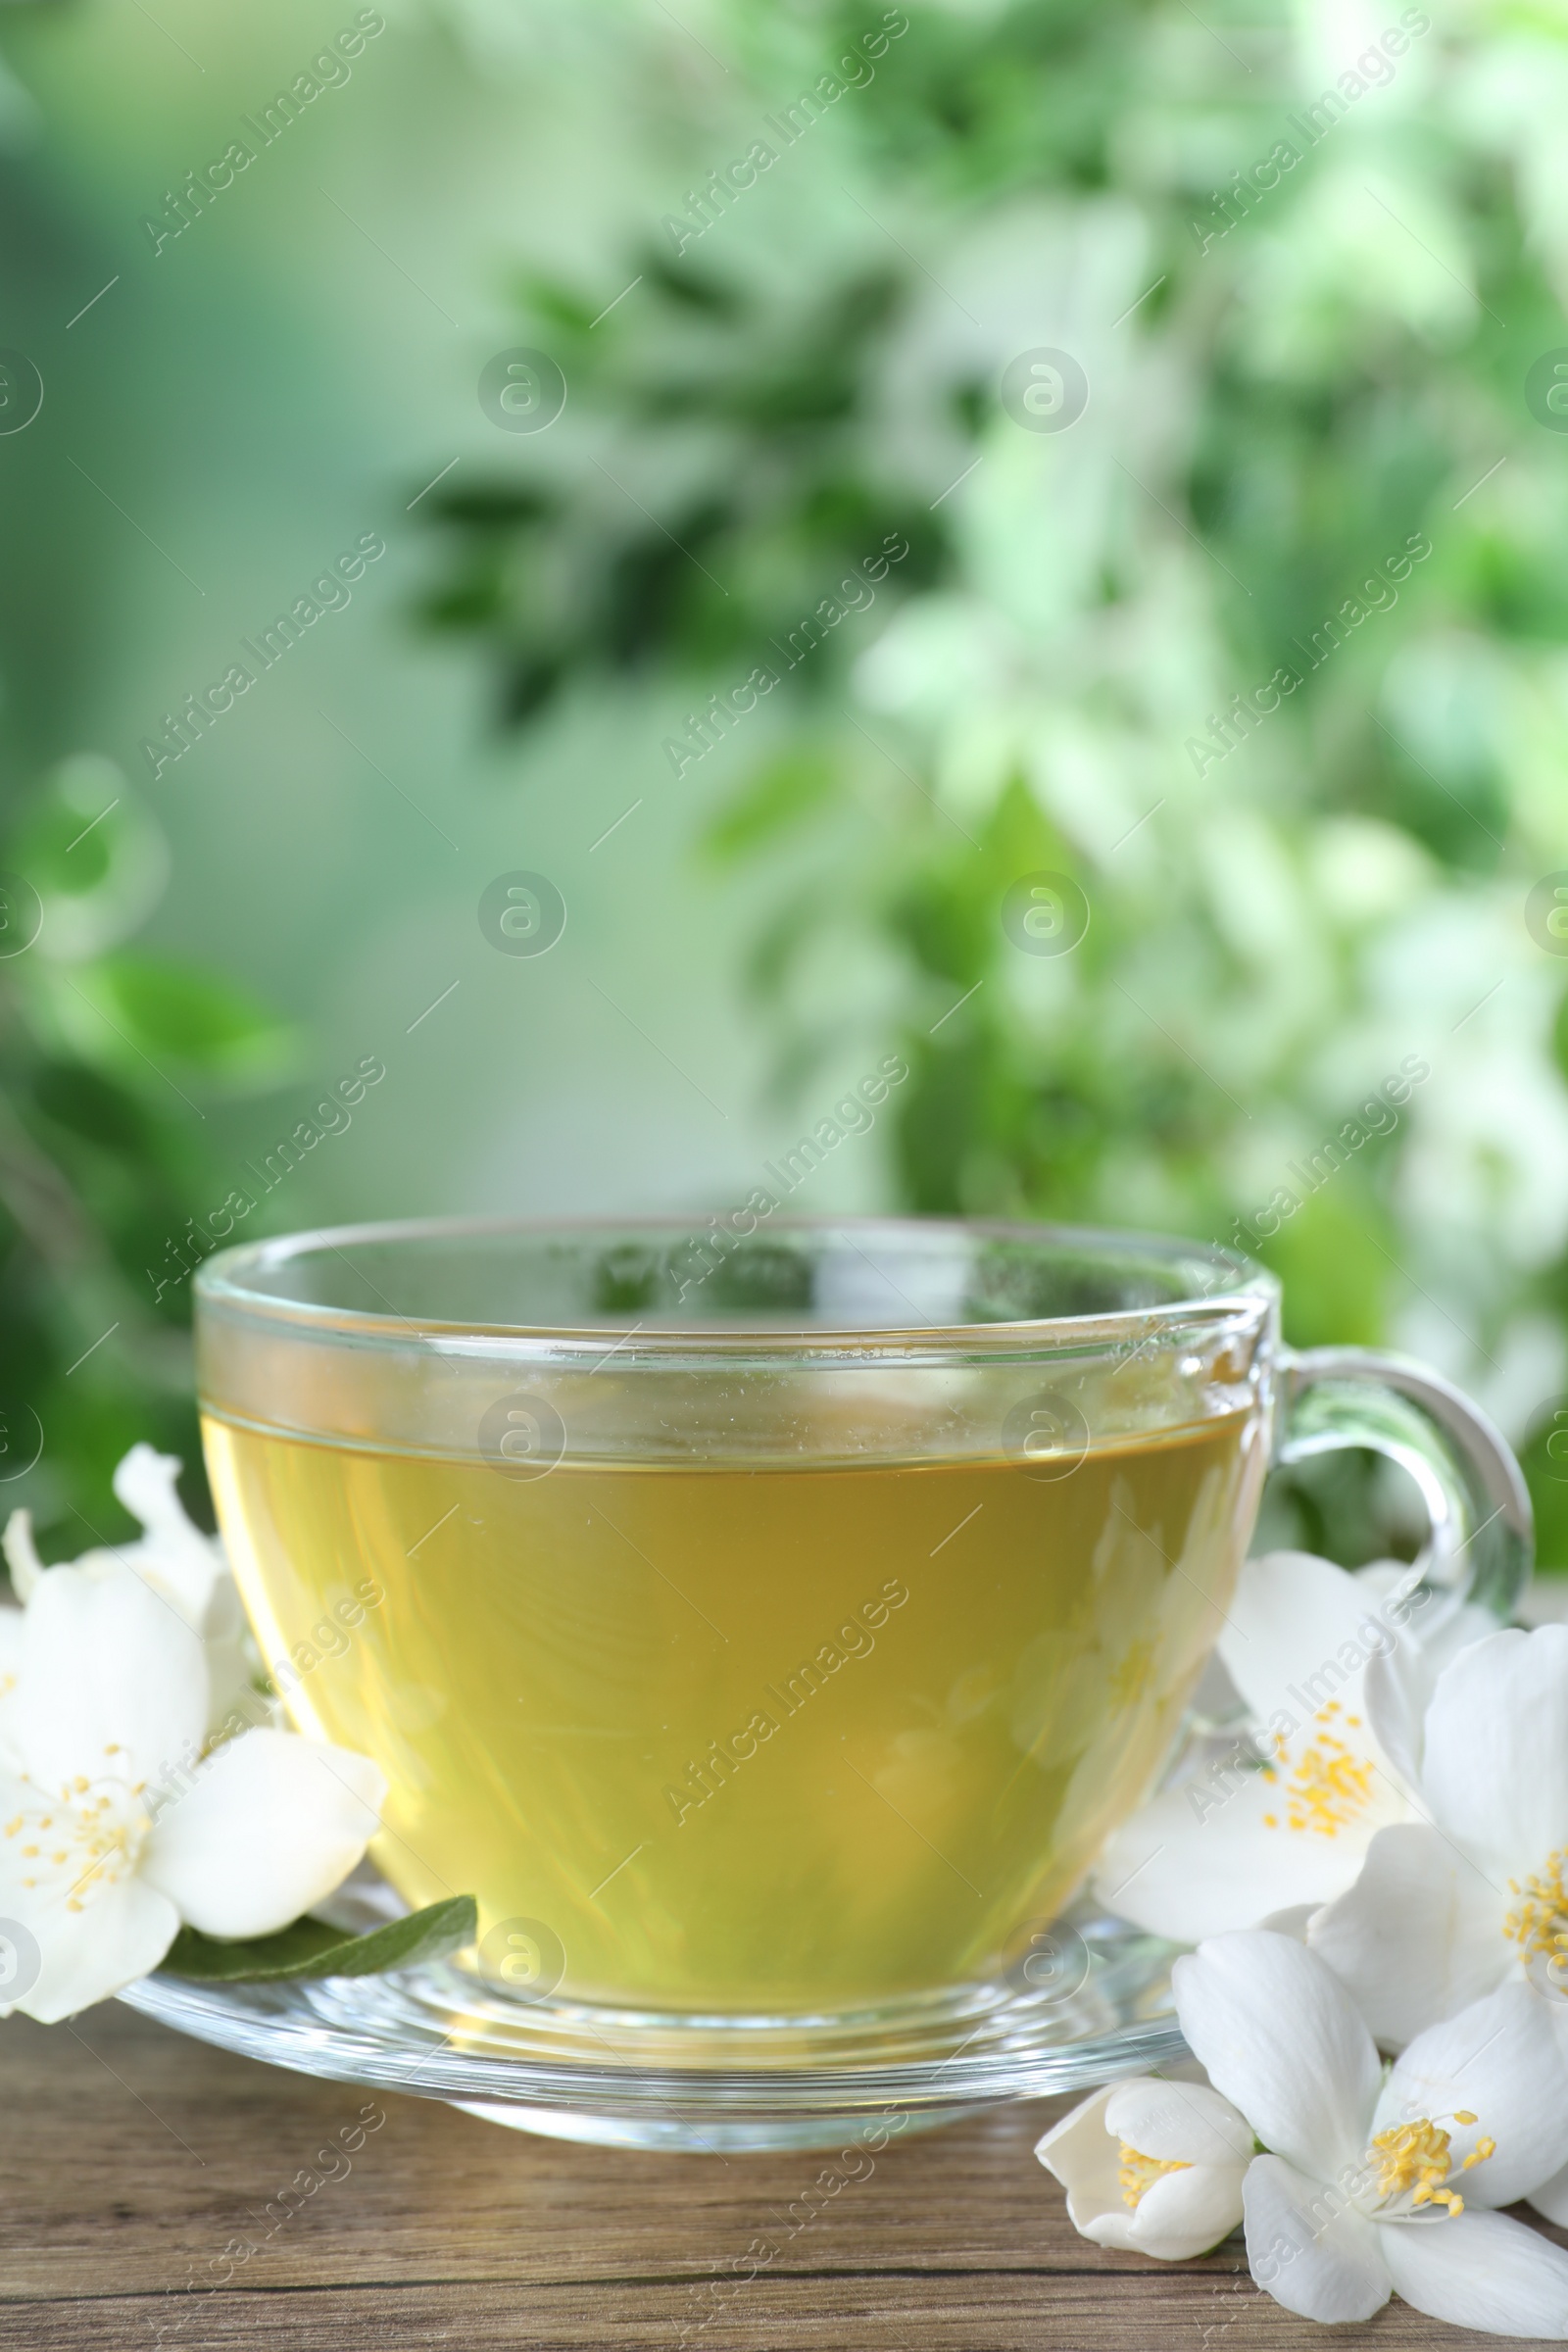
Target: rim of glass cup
[{"x": 1240, "y": 1293}]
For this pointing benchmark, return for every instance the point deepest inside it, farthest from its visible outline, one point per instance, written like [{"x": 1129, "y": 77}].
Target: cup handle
[{"x": 1481, "y": 1540}]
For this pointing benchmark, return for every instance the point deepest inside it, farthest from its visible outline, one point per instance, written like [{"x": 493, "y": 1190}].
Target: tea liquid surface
[{"x": 761, "y": 1739}]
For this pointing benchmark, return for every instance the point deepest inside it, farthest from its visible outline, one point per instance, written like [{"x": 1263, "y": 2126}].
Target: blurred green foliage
[
  {"x": 99, "y": 1160},
  {"x": 1289, "y": 388}
]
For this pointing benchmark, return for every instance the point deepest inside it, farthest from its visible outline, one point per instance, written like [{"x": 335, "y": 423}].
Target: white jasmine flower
[
  {"x": 1285, "y": 1814},
  {"x": 174, "y": 1558},
  {"x": 1371, "y": 2187},
  {"x": 1473, "y": 1891},
  {"x": 1152, "y": 2166},
  {"x": 113, "y": 1828}
]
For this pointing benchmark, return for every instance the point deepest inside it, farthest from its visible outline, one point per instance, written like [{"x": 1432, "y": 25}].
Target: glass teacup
[{"x": 770, "y": 1628}]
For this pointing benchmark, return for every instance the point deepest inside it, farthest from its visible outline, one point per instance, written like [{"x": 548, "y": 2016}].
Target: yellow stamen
[
  {"x": 1537, "y": 1920},
  {"x": 1413, "y": 2161},
  {"x": 1330, "y": 1784},
  {"x": 1138, "y": 2173},
  {"x": 98, "y": 1837}
]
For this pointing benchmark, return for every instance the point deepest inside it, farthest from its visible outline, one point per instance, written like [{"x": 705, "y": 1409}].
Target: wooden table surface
[{"x": 132, "y": 2158}]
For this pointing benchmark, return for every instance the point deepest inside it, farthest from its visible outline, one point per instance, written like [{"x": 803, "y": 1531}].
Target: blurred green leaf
[
  {"x": 129, "y": 1007},
  {"x": 91, "y": 1106},
  {"x": 1333, "y": 1259},
  {"x": 779, "y": 796},
  {"x": 95, "y": 856}
]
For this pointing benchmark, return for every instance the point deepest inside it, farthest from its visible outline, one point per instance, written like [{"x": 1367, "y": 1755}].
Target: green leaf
[
  {"x": 558, "y": 305},
  {"x": 496, "y": 505},
  {"x": 312, "y": 1949},
  {"x": 130, "y": 1008},
  {"x": 691, "y": 288},
  {"x": 1559, "y": 1036},
  {"x": 94, "y": 855},
  {"x": 776, "y": 797},
  {"x": 1333, "y": 1256},
  {"x": 1543, "y": 1459}
]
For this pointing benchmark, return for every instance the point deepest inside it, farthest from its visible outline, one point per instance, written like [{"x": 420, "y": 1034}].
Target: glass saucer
[{"x": 1099, "y": 2006}]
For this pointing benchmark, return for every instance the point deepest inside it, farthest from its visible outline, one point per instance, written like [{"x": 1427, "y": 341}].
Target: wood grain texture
[{"x": 131, "y": 2159}]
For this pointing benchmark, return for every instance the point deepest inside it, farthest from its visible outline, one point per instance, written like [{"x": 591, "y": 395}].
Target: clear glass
[{"x": 767, "y": 1629}]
